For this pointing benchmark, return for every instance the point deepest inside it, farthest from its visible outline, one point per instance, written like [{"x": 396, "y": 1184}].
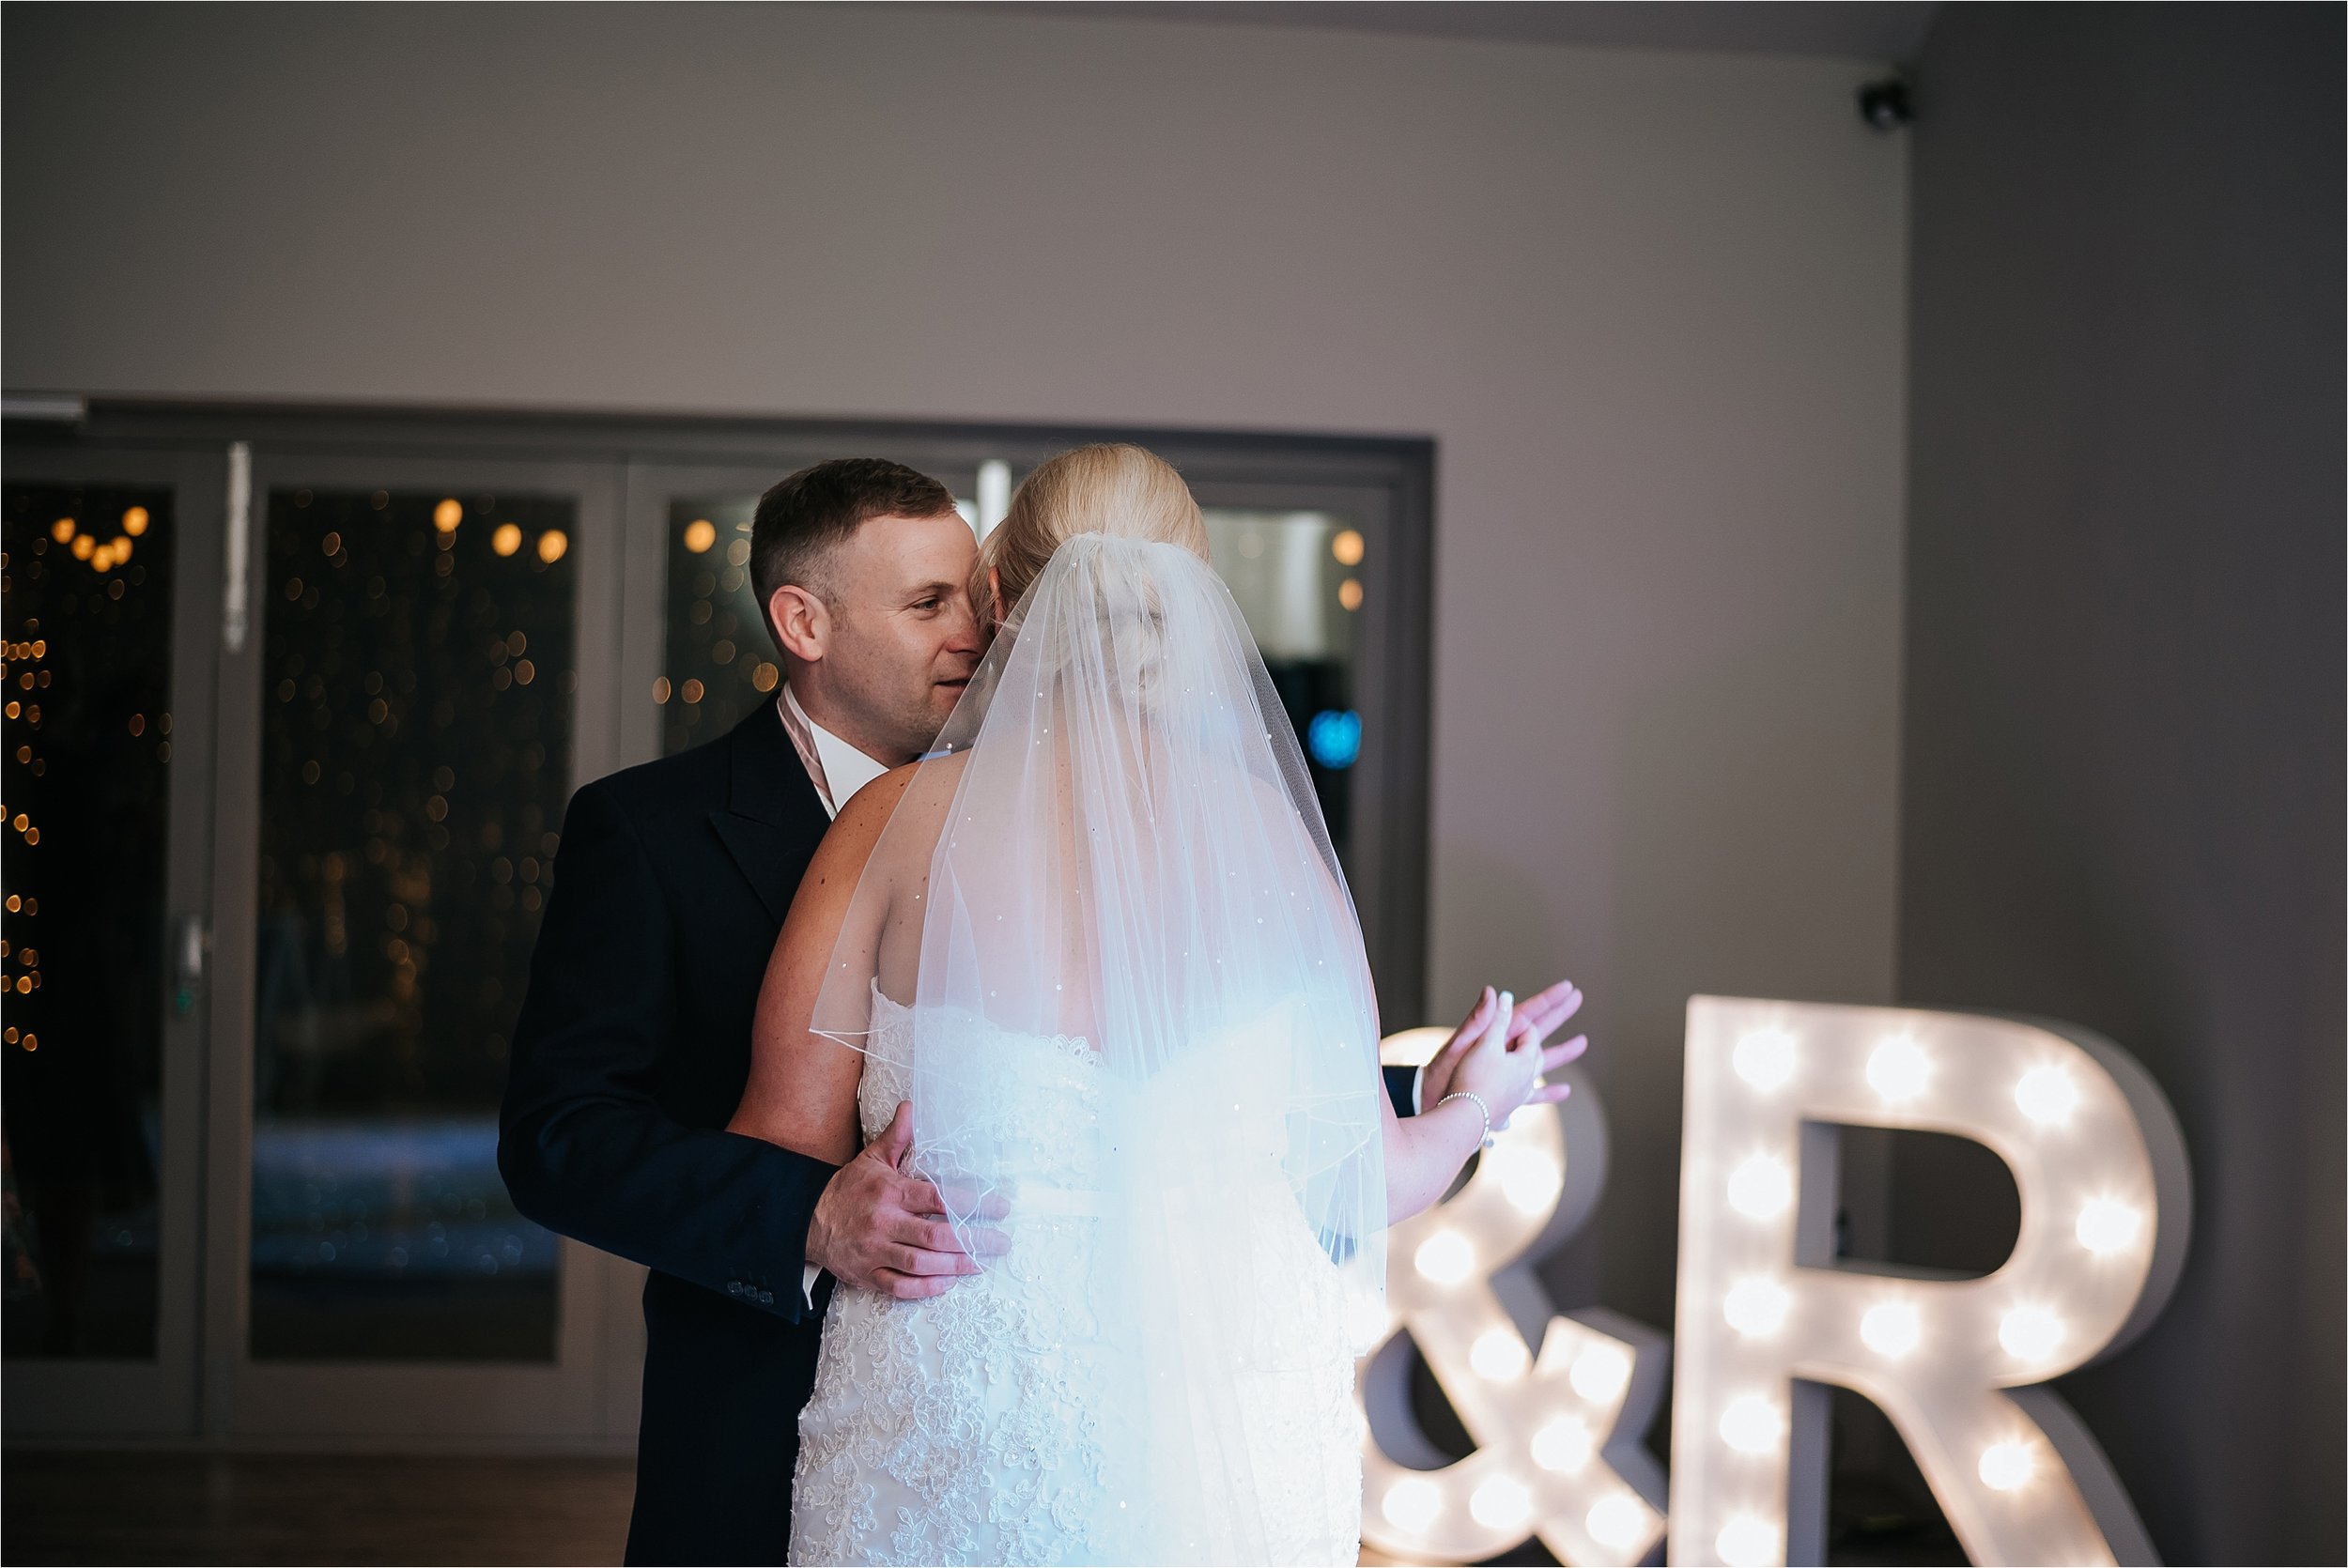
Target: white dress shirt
[{"x": 838, "y": 770}]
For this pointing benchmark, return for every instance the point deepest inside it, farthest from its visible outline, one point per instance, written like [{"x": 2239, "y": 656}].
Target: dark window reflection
[
  {"x": 85, "y": 577},
  {"x": 1298, "y": 577},
  {"x": 719, "y": 663},
  {"x": 416, "y": 751}
]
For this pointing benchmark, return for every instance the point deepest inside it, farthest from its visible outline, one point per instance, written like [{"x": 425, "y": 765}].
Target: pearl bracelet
[{"x": 1485, "y": 1140}]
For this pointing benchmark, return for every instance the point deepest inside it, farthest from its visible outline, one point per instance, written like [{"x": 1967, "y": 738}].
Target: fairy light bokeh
[
  {"x": 85, "y": 576},
  {"x": 419, "y": 674},
  {"x": 1295, "y": 575}
]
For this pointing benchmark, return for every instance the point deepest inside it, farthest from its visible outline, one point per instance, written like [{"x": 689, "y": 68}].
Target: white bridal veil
[{"x": 1115, "y": 859}]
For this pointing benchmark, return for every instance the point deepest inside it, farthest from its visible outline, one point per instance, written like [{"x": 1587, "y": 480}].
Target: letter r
[{"x": 2106, "y": 1202}]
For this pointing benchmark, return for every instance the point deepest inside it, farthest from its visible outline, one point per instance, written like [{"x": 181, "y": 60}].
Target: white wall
[{"x": 1650, "y": 306}]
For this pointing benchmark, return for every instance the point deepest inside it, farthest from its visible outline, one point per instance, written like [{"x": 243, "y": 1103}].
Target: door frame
[{"x": 624, "y": 466}]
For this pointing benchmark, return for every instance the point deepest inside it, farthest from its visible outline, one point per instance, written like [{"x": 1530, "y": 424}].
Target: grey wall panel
[
  {"x": 1650, "y": 306},
  {"x": 2121, "y": 793}
]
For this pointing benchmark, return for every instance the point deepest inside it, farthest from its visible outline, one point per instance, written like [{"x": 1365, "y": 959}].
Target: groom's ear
[{"x": 802, "y": 624}]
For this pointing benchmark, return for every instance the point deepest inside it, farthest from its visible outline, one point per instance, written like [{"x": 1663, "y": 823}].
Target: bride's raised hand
[
  {"x": 1539, "y": 1015},
  {"x": 1502, "y": 1066}
]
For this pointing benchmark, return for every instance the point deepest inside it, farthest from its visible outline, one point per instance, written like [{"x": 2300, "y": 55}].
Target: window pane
[
  {"x": 1298, "y": 580},
  {"x": 719, "y": 663},
  {"x": 1298, "y": 577},
  {"x": 416, "y": 753},
  {"x": 86, "y": 579}
]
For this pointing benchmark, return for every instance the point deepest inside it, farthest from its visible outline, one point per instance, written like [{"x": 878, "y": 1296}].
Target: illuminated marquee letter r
[{"x": 2100, "y": 1166}]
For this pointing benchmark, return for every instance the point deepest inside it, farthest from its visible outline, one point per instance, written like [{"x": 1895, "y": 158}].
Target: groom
[{"x": 671, "y": 884}]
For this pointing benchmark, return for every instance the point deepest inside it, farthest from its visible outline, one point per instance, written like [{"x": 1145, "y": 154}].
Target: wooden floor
[
  {"x": 308, "y": 1508},
  {"x": 147, "y": 1508}
]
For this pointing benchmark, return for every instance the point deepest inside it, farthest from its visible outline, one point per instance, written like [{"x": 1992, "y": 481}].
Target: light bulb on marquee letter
[
  {"x": 2100, "y": 1166},
  {"x": 1765, "y": 1060},
  {"x": 1557, "y": 1430}
]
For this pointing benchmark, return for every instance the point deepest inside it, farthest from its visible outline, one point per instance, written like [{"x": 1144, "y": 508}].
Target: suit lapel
[{"x": 773, "y": 818}]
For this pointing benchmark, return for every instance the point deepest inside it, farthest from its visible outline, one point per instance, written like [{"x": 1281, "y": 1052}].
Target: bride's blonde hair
[{"x": 1108, "y": 488}]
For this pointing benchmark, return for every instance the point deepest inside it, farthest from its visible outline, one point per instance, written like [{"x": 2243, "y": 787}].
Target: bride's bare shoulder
[{"x": 923, "y": 788}]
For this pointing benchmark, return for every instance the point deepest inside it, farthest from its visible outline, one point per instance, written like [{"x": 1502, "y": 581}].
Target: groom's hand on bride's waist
[{"x": 880, "y": 1229}]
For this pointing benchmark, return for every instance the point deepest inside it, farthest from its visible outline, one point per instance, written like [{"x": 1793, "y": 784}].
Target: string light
[
  {"x": 1891, "y": 1328},
  {"x": 2030, "y": 1334},
  {"x": 1617, "y": 1520},
  {"x": 2007, "y": 1467},
  {"x": 2105, "y": 1226},
  {"x": 1753, "y": 1425},
  {"x": 1756, "y": 1307},
  {"x": 1564, "y": 1445},
  {"x": 1761, "y": 1188},
  {"x": 1445, "y": 1257},
  {"x": 1412, "y": 1505},
  {"x": 1530, "y": 1178},
  {"x": 2046, "y": 1096},
  {"x": 1898, "y": 1070},
  {"x": 1765, "y": 1060},
  {"x": 1747, "y": 1542}
]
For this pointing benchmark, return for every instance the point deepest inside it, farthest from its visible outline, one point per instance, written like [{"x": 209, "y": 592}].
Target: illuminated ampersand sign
[
  {"x": 1557, "y": 1433},
  {"x": 2100, "y": 1165}
]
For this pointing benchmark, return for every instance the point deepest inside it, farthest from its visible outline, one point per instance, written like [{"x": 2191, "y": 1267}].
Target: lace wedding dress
[{"x": 986, "y": 1425}]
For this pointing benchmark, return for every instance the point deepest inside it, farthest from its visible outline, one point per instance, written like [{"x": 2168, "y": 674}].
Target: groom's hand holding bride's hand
[
  {"x": 1536, "y": 1018},
  {"x": 879, "y": 1229}
]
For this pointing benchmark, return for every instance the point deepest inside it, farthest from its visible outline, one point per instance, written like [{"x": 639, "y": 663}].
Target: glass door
[
  {"x": 1320, "y": 571},
  {"x": 109, "y": 575},
  {"x": 427, "y": 674},
  {"x": 279, "y": 839}
]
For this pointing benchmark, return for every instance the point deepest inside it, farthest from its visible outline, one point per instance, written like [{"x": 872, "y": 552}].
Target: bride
[{"x": 1098, "y": 941}]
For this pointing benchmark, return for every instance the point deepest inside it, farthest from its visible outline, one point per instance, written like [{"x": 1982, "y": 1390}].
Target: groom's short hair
[{"x": 807, "y": 514}]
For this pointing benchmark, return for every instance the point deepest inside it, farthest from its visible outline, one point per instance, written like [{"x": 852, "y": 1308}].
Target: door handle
[{"x": 190, "y": 956}]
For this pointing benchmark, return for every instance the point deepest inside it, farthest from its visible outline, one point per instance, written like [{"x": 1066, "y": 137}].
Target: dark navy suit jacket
[{"x": 669, "y": 888}]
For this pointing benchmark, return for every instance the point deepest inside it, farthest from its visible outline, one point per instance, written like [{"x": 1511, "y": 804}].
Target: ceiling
[{"x": 1851, "y": 29}]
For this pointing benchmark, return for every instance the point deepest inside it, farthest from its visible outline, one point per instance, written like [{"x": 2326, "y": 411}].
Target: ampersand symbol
[{"x": 1558, "y": 1451}]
